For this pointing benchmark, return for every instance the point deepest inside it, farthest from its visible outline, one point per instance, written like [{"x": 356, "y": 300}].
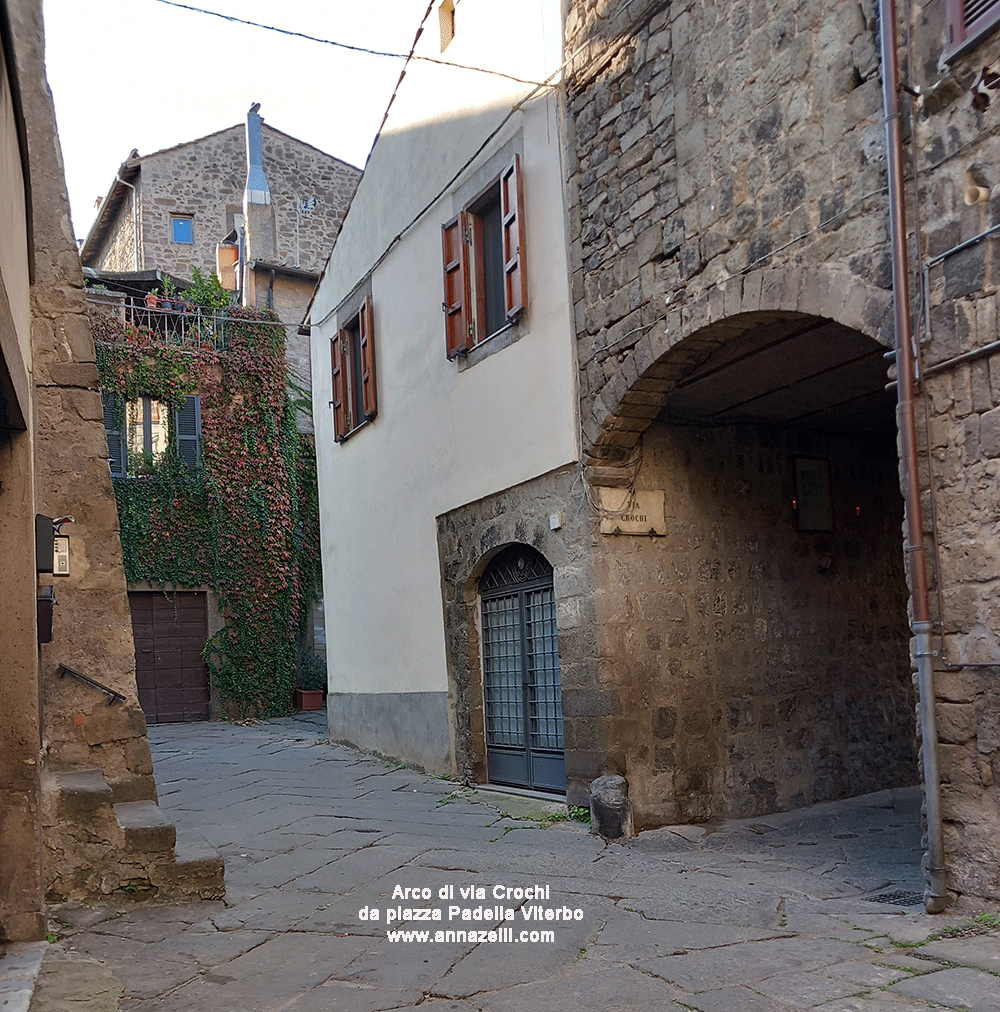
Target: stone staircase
[{"x": 97, "y": 848}]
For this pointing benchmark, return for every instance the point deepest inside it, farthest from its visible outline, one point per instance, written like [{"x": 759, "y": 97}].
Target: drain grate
[{"x": 900, "y": 897}]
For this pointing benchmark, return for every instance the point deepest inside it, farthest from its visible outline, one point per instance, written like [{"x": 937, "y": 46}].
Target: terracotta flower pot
[{"x": 307, "y": 699}]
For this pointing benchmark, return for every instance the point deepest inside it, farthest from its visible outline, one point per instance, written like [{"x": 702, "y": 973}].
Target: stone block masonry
[
  {"x": 92, "y": 631},
  {"x": 467, "y": 538},
  {"x": 204, "y": 180}
]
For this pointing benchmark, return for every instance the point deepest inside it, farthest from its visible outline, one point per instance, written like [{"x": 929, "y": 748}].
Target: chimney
[{"x": 258, "y": 214}]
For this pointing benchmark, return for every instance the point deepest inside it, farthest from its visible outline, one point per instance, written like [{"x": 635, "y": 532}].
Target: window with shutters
[
  {"x": 140, "y": 432},
  {"x": 355, "y": 396},
  {"x": 968, "y": 22},
  {"x": 483, "y": 252}
]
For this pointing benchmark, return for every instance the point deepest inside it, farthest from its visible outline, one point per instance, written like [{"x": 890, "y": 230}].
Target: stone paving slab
[
  {"x": 65, "y": 976},
  {"x": 737, "y": 999},
  {"x": 19, "y": 966},
  {"x": 804, "y": 990},
  {"x": 751, "y": 962},
  {"x": 646, "y": 938},
  {"x": 872, "y": 975},
  {"x": 960, "y": 988},
  {"x": 982, "y": 951},
  {"x": 584, "y": 987},
  {"x": 877, "y": 1001}
]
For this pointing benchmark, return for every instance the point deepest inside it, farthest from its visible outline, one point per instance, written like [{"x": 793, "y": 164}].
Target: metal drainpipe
[
  {"x": 135, "y": 218},
  {"x": 936, "y": 892}
]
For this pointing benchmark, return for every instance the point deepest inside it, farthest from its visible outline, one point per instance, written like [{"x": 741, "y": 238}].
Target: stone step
[
  {"x": 147, "y": 830},
  {"x": 129, "y": 849},
  {"x": 198, "y": 871},
  {"x": 79, "y": 795}
]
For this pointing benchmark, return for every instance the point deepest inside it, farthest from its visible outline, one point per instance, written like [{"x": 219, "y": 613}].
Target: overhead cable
[{"x": 342, "y": 45}]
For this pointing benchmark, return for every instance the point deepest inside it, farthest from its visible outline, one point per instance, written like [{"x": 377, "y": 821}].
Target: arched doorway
[{"x": 522, "y": 692}]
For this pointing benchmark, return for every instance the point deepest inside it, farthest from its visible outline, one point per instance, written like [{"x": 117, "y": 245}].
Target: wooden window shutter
[
  {"x": 117, "y": 455},
  {"x": 187, "y": 432},
  {"x": 968, "y": 21},
  {"x": 339, "y": 401},
  {"x": 512, "y": 219},
  {"x": 369, "y": 395},
  {"x": 457, "y": 296}
]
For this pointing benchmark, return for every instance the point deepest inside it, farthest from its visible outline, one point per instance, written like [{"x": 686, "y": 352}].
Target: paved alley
[{"x": 801, "y": 910}]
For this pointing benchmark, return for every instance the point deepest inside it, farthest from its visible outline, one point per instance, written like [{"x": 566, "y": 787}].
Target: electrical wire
[
  {"x": 342, "y": 45},
  {"x": 547, "y": 83}
]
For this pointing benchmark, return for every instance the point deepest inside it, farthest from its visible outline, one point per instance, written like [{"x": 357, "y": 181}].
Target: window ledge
[
  {"x": 357, "y": 428},
  {"x": 497, "y": 341}
]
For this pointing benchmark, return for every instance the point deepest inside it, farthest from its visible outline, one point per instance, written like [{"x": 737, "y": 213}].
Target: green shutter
[
  {"x": 116, "y": 437},
  {"x": 187, "y": 432}
]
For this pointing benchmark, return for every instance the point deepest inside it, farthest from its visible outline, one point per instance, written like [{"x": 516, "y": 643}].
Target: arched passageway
[{"x": 760, "y": 649}]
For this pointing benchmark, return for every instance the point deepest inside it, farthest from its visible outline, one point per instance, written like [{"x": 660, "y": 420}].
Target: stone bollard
[{"x": 610, "y": 808}]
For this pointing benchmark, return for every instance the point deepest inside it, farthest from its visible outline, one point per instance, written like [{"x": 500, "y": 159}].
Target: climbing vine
[{"x": 247, "y": 522}]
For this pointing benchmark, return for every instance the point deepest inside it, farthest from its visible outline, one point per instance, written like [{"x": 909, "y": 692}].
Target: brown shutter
[
  {"x": 339, "y": 402},
  {"x": 457, "y": 298},
  {"x": 369, "y": 402},
  {"x": 968, "y": 20},
  {"x": 512, "y": 218}
]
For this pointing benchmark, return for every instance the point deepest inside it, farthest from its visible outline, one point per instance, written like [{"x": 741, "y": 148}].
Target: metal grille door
[{"x": 523, "y": 695}]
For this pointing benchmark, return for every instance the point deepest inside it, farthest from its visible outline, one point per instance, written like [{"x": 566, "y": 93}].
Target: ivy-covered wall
[{"x": 246, "y": 521}]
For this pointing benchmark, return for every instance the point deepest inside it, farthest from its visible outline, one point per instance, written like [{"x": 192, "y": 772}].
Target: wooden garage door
[{"x": 169, "y": 635}]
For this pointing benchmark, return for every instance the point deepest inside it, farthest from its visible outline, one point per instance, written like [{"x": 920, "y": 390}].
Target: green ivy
[{"x": 247, "y": 523}]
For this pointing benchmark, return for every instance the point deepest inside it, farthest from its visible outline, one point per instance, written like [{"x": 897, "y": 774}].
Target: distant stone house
[
  {"x": 171, "y": 210},
  {"x": 261, "y": 209}
]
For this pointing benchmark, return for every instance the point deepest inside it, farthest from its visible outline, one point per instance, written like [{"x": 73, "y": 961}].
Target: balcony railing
[
  {"x": 175, "y": 321},
  {"x": 169, "y": 322}
]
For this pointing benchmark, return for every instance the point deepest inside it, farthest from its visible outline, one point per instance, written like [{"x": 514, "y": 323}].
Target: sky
[{"x": 142, "y": 74}]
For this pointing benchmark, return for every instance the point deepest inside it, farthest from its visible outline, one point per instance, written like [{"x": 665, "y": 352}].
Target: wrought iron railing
[
  {"x": 175, "y": 321},
  {"x": 115, "y": 697}
]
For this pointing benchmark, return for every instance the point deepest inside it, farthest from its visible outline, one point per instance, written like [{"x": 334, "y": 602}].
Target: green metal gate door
[{"x": 522, "y": 690}]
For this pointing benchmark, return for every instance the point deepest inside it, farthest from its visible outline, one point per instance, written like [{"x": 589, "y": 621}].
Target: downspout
[
  {"x": 135, "y": 219},
  {"x": 936, "y": 892}
]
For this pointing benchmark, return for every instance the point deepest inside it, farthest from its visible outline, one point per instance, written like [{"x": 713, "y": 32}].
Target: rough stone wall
[
  {"x": 119, "y": 254},
  {"x": 289, "y": 300},
  {"x": 92, "y": 632},
  {"x": 957, "y": 145},
  {"x": 22, "y": 913},
  {"x": 713, "y": 143},
  {"x": 705, "y": 140},
  {"x": 740, "y": 679},
  {"x": 468, "y": 537}
]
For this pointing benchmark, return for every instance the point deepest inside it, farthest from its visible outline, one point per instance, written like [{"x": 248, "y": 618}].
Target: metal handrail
[{"x": 116, "y": 697}]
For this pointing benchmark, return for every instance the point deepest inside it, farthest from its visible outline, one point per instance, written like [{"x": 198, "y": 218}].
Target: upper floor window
[
  {"x": 181, "y": 229},
  {"x": 968, "y": 22},
  {"x": 140, "y": 432},
  {"x": 483, "y": 250},
  {"x": 353, "y": 364}
]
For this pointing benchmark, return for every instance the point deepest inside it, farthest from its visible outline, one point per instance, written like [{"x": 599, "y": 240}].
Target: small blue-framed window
[{"x": 182, "y": 229}]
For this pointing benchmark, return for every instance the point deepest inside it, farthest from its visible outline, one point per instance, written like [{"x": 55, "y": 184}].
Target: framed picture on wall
[{"x": 813, "y": 499}]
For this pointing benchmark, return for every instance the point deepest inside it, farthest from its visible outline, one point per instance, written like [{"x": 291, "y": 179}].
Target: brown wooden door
[{"x": 170, "y": 674}]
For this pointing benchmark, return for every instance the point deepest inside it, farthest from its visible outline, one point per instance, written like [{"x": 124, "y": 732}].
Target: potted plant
[{"x": 310, "y": 681}]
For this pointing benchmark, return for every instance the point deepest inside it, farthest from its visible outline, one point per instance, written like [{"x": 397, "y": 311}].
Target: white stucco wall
[{"x": 445, "y": 435}]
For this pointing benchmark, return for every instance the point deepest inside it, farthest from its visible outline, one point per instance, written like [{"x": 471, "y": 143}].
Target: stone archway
[
  {"x": 760, "y": 656},
  {"x": 615, "y": 414}
]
